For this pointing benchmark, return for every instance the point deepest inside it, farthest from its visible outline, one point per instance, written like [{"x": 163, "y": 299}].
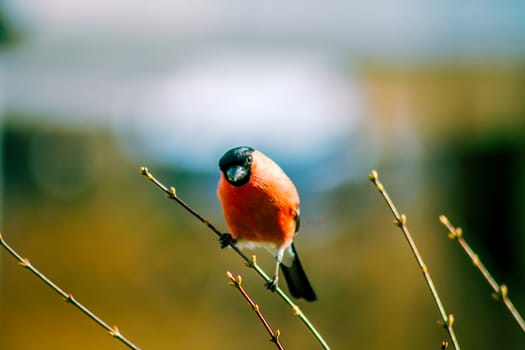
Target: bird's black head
[{"x": 236, "y": 165}]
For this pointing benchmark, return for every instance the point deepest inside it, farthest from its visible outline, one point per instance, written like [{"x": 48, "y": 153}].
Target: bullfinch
[{"x": 261, "y": 208}]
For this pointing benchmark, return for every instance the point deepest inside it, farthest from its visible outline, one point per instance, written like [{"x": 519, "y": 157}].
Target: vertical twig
[
  {"x": 172, "y": 194},
  {"x": 500, "y": 290},
  {"x": 274, "y": 335},
  {"x": 68, "y": 297},
  {"x": 400, "y": 221}
]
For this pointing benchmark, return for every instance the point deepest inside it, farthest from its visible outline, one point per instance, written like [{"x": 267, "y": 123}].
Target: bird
[{"x": 261, "y": 209}]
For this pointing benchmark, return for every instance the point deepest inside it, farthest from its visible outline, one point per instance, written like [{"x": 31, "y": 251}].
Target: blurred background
[{"x": 431, "y": 95}]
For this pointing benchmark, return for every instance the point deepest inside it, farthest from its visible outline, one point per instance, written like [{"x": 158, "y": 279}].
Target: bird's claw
[
  {"x": 226, "y": 240},
  {"x": 271, "y": 284}
]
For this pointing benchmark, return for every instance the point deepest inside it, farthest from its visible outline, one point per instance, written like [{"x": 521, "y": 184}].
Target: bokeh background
[{"x": 431, "y": 94}]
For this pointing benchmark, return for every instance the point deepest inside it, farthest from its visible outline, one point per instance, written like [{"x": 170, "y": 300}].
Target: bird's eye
[{"x": 249, "y": 159}]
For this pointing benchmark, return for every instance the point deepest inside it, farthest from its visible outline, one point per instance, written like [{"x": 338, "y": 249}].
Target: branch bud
[{"x": 503, "y": 291}]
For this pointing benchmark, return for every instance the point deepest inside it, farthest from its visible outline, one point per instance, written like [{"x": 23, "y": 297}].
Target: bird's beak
[{"x": 235, "y": 173}]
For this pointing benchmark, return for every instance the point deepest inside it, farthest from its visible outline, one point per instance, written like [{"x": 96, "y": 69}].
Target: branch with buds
[
  {"x": 500, "y": 291},
  {"x": 237, "y": 283},
  {"x": 172, "y": 194},
  {"x": 68, "y": 297},
  {"x": 400, "y": 220}
]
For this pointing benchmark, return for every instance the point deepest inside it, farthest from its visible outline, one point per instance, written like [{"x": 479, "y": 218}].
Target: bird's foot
[
  {"x": 226, "y": 240},
  {"x": 271, "y": 284}
]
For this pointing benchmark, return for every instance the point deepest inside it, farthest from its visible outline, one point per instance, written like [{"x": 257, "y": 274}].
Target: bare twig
[
  {"x": 400, "y": 220},
  {"x": 172, "y": 194},
  {"x": 68, "y": 297},
  {"x": 274, "y": 335},
  {"x": 500, "y": 290}
]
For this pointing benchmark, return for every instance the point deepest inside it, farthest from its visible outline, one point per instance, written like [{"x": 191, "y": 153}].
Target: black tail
[{"x": 297, "y": 281}]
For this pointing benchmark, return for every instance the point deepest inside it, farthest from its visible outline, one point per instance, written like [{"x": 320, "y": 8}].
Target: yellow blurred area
[{"x": 441, "y": 102}]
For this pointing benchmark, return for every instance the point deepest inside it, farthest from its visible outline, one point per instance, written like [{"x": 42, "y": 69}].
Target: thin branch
[
  {"x": 500, "y": 290},
  {"x": 68, "y": 297},
  {"x": 172, "y": 194},
  {"x": 274, "y": 335},
  {"x": 400, "y": 221}
]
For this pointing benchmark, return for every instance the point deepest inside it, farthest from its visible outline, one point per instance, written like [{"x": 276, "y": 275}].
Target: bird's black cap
[{"x": 236, "y": 165}]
